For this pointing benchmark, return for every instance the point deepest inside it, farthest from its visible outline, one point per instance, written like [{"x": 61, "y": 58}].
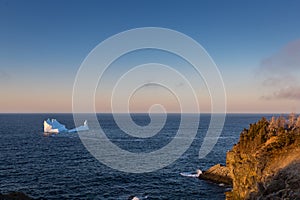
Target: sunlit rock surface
[{"x": 265, "y": 163}]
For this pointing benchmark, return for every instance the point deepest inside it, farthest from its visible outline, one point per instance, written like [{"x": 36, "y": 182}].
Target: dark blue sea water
[{"x": 58, "y": 167}]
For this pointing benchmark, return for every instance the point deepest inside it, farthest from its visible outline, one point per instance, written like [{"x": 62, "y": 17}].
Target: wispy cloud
[
  {"x": 180, "y": 84},
  {"x": 281, "y": 73},
  {"x": 278, "y": 81},
  {"x": 288, "y": 58},
  {"x": 4, "y": 75},
  {"x": 292, "y": 93},
  {"x": 154, "y": 85},
  {"x": 150, "y": 84}
]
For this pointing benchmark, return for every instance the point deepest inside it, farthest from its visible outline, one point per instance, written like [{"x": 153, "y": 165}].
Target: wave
[{"x": 188, "y": 174}]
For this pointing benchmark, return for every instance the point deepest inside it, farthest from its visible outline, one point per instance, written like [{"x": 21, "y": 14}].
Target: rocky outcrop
[
  {"x": 265, "y": 163},
  {"x": 14, "y": 196},
  {"x": 217, "y": 174},
  {"x": 285, "y": 184}
]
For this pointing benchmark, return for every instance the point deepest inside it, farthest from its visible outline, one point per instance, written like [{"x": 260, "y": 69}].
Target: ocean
[{"x": 60, "y": 167}]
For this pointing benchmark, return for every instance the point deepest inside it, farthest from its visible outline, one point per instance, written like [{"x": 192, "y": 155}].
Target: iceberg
[
  {"x": 80, "y": 128},
  {"x": 53, "y": 126}
]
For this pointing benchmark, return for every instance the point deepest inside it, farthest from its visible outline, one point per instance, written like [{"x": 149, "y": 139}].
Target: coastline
[{"x": 264, "y": 163}]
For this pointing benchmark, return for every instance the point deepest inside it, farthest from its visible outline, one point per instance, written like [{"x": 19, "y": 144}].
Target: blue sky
[{"x": 42, "y": 44}]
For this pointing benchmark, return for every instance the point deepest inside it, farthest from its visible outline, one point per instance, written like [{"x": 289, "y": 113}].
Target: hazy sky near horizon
[{"x": 255, "y": 44}]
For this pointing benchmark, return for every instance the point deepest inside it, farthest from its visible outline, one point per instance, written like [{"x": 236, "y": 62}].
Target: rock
[
  {"x": 217, "y": 174},
  {"x": 132, "y": 197},
  {"x": 14, "y": 196},
  {"x": 285, "y": 184},
  {"x": 264, "y": 164}
]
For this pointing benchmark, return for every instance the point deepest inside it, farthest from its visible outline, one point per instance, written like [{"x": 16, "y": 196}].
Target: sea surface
[{"x": 60, "y": 167}]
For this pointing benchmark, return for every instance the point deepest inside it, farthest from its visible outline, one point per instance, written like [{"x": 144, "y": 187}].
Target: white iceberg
[
  {"x": 53, "y": 126},
  {"x": 80, "y": 128}
]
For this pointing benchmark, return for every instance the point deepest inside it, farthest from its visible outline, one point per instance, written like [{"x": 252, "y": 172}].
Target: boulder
[{"x": 217, "y": 174}]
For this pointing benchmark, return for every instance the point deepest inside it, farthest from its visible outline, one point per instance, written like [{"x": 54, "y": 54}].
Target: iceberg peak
[{"x": 53, "y": 126}]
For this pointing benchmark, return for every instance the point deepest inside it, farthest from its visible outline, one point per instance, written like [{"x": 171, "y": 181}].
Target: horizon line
[{"x": 147, "y": 113}]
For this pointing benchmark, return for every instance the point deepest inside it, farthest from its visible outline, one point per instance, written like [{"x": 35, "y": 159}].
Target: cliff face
[{"x": 265, "y": 163}]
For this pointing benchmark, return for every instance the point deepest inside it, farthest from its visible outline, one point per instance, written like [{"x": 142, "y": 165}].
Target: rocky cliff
[{"x": 265, "y": 163}]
